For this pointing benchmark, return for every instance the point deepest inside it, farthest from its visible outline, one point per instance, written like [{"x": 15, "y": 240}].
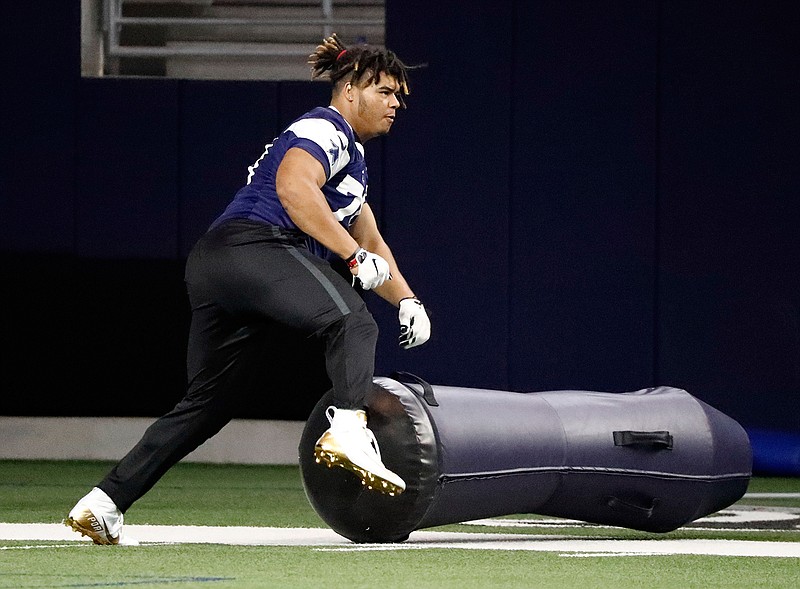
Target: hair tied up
[{"x": 363, "y": 64}]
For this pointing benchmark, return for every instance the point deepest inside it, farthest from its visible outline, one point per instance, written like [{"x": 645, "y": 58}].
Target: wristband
[{"x": 355, "y": 259}]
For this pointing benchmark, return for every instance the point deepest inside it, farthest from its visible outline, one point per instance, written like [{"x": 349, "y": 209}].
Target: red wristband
[{"x": 352, "y": 261}]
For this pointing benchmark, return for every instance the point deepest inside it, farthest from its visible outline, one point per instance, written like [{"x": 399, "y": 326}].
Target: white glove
[
  {"x": 415, "y": 327},
  {"x": 371, "y": 269}
]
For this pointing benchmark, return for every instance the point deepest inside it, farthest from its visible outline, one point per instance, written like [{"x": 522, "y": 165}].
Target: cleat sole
[
  {"x": 368, "y": 480},
  {"x": 95, "y": 537}
]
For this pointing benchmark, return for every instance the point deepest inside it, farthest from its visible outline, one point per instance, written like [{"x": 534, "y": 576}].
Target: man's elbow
[{"x": 290, "y": 192}]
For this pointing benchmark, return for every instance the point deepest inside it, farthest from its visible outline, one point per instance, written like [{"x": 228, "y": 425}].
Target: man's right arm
[{"x": 298, "y": 181}]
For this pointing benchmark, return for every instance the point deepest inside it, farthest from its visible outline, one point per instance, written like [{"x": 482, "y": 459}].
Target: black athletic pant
[{"x": 240, "y": 277}]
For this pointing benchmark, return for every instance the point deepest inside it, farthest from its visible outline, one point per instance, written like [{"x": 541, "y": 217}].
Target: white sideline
[
  {"x": 243, "y": 441},
  {"x": 326, "y": 539}
]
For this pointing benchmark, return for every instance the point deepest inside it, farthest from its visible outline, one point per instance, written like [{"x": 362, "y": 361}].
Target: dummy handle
[
  {"x": 661, "y": 440},
  {"x": 427, "y": 390},
  {"x": 643, "y": 510}
]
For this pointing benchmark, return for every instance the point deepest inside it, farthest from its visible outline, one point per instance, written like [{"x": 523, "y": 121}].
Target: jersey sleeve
[{"x": 322, "y": 140}]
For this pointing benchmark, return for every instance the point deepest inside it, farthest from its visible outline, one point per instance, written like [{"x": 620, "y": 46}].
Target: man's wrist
[{"x": 353, "y": 261}]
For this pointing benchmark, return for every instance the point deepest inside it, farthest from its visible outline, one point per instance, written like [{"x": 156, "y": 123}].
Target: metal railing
[{"x": 114, "y": 21}]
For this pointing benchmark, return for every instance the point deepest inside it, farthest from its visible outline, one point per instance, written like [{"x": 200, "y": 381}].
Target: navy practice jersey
[{"x": 327, "y": 136}]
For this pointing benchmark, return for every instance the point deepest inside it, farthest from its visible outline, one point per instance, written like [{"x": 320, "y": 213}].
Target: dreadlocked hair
[{"x": 361, "y": 63}]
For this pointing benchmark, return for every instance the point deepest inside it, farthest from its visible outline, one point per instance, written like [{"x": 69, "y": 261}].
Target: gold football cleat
[
  {"x": 86, "y": 524},
  {"x": 350, "y": 445}
]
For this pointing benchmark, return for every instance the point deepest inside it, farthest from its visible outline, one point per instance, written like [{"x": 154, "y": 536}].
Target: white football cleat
[
  {"x": 350, "y": 444},
  {"x": 97, "y": 516}
]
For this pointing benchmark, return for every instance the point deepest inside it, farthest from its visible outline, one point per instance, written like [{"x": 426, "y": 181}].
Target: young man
[{"x": 264, "y": 260}]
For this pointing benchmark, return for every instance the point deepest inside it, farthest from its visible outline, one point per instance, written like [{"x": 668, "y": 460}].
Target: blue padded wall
[
  {"x": 594, "y": 195},
  {"x": 127, "y": 169},
  {"x": 447, "y": 187},
  {"x": 582, "y": 272},
  {"x": 729, "y": 287},
  {"x": 223, "y": 128},
  {"x": 39, "y": 91}
]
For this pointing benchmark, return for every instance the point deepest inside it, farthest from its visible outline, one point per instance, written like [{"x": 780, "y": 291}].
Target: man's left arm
[{"x": 415, "y": 327}]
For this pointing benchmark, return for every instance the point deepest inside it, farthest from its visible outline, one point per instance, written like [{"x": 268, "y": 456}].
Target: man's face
[{"x": 377, "y": 105}]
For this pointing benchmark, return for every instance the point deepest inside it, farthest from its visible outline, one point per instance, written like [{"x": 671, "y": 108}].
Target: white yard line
[
  {"x": 328, "y": 540},
  {"x": 234, "y": 535},
  {"x": 603, "y": 547},
  {"x": 728, "y": 517}
]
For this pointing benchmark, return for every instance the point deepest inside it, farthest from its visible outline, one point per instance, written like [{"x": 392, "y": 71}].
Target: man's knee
[
  {"x": 362, "y": 323},
  {"x": 355, "y": 326}
]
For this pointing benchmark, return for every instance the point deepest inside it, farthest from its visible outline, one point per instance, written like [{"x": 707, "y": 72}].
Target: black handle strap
[
  {"x": 620, "y": 505},
  {"x": 661, "y": 440},
  {"x": 427, "y": 390}
]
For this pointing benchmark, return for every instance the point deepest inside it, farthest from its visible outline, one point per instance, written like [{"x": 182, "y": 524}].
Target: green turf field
[{"x": 214, "y": 495}]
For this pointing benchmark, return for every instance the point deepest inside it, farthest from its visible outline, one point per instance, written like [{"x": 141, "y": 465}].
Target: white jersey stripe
[
  {"x": 351, "y": 187},
  {"x": 332, "y": 141}
]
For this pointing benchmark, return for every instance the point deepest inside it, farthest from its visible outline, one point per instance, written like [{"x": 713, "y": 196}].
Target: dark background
[{"x": 592, "y": 195}]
